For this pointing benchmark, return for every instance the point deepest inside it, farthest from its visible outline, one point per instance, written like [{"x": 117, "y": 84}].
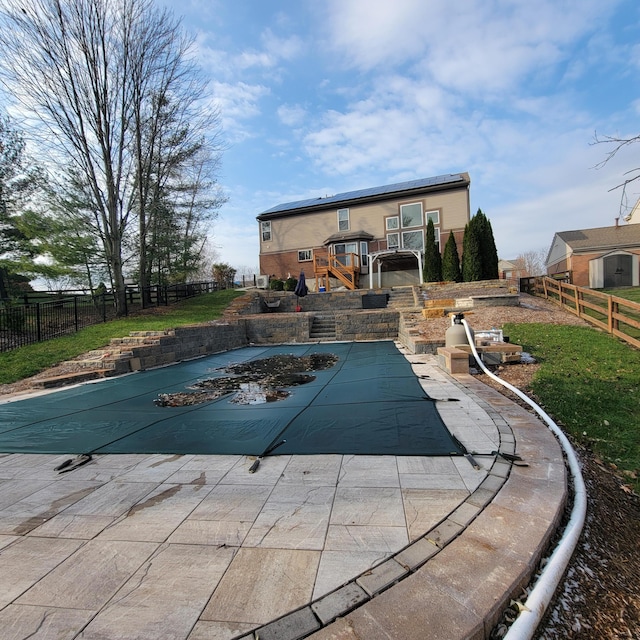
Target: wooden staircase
[{"x": 345, "y": 267}]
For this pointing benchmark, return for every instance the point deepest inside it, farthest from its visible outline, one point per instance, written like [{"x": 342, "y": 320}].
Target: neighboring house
[
  {"x": 508, "y": 270},
  {"x": 597, "y": 258},
  {"x": 368, "y": 238}
]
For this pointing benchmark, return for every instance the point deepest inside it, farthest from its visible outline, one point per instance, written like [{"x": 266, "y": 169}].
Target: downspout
[{"x": 543, "y": 590}]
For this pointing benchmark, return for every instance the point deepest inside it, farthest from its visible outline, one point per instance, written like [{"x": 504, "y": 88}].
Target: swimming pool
[{"x": 368, "y": 402}]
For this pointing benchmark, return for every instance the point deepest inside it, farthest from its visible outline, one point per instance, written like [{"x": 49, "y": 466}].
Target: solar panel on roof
[{"x": 365, "y": 193}]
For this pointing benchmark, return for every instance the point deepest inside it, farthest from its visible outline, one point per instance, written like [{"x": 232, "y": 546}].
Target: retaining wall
[{"x": 153, "y": 349}]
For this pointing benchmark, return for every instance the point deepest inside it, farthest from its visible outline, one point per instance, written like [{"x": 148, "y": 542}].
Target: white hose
[{"x": 542, "y": 592}]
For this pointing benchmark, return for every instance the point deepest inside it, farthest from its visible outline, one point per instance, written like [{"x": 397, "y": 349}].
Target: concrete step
[{"x": 323, "y": 328}]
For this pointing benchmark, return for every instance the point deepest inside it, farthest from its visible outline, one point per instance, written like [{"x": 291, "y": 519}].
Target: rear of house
[{"x": 361, "y": 239}]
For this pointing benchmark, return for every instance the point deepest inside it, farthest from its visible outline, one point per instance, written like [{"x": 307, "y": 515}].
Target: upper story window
[
  {"x": 411, "y": 215},
  {"x": 393, "y": 241},
  {"x": 392, "y": 223},
  {"x": 265, "y": 228},
  {"x": 434, "y": 216},
  {"x": 305, "y": 255},
  {"x": 343, "y": 219}
]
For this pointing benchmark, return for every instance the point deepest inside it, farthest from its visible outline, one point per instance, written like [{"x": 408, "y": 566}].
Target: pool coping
[{"x": 458, "y": 578}]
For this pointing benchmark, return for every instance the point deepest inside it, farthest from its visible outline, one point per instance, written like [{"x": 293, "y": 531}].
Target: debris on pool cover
[{"x": 253, "y": 382}]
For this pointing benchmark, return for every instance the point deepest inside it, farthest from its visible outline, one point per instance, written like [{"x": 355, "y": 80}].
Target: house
[
  {"x": 597, "y": 258},
  {"x": 510, "y": 270},
  {"x": 363, "y": 239}
]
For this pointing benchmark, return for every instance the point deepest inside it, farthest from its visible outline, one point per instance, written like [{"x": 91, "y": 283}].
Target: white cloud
[
  {"x": 478, "y": 45},
  {"x": 238, "y": 103},
  {"x": 292, "y": 115}
]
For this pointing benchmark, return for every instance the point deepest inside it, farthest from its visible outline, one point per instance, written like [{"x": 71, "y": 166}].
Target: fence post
[
  {"x": 610, "y": 310},
  {"x": 38, "y": 322},
  {"x": 75, "y": 311}
]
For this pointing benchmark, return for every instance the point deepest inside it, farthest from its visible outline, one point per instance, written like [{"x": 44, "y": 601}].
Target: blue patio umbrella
[{"x": 301, "y": 289}]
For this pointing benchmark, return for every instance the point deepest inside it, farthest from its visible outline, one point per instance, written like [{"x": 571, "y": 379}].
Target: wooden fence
[{"x": 618, "y": 316}]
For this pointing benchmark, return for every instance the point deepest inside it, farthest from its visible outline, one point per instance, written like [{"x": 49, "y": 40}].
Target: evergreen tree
[
  {"x": 451, "y": 261},
  {"x": 432, "y": 257},
  {"x": 489, "y": 254},
  {"x": 471, "y": 253}
]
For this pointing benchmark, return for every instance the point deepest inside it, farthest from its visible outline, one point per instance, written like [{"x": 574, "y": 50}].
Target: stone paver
[{"x": 343, "y": 547}]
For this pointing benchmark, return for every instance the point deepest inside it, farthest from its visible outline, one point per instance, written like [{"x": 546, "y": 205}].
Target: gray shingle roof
[
  {"x": 627, "y": 235},
  {"x": 365, "y": 195}
]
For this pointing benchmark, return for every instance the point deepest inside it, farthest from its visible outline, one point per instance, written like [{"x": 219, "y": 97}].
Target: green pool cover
[{"x": 368, "y": 402}]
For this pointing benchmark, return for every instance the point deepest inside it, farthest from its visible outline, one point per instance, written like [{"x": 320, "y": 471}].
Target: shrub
[
  {"x": 276, "y": 285},
  {"x": 290, "y": 284}
]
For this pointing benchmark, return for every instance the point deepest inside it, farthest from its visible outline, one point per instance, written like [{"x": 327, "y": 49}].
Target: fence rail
[
  {"x": 42, "y": 316},
  {"x": 618, "y": 316}
]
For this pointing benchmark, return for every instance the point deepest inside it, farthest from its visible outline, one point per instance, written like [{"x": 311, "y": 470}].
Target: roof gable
[{"x": 398, "y": 190}]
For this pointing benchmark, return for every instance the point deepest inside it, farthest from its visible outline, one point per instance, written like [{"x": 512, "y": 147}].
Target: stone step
[
  {"x": 74, "y": 377},
  {"x": 323, "y": 328}
]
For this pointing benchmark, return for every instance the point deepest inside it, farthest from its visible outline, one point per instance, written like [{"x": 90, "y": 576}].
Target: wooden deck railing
[
  {"x": 618, "y": 316},
  {"x": 342, "y": 266}
]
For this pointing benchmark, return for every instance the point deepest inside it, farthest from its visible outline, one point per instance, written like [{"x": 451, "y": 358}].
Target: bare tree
[
  {"x": 97, "y": 74},
  {"x": 617, "y": 144},
  {"x": 532, "y": 263}
]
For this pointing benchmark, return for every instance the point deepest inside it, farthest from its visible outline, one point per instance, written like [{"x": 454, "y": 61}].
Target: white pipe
[{"x": 540, "y": 596}]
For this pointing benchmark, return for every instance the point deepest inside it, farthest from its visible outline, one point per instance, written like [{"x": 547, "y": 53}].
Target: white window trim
[
  {"x": 397, "y": 223},
  {"x": 347, "y": 219},
  {"x": 308, "y": 252},
  {"x": 421, "y": 231},
  {"x": 413, "y": 226},
  {"x": 437, "y": 215},
  {"x": 396, "y": 246}
]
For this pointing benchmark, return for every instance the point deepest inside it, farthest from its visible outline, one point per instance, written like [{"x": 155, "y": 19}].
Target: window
[
  {"x": 411, "y": 215},
  {"x": 393, "y": 241},
  {"x": 413, "y": 240},
  {"x": 437, "y": 237},
  {"x": 364, "y": 250},
  {"x": 343, "y": 252},
  {"x": 266, "y": 231},
  {"x": 305, "y": 255},
  {"x": 393, "y": 223},
  {"x": 434, "y": 216},
  {"x": 343, "y": 219}
]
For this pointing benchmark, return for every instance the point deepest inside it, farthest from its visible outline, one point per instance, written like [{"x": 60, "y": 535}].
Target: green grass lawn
[
  {"x": 590, "y": 383},
  {"x": 628, "y": 293},
  {"x": 27, "y": 361}
]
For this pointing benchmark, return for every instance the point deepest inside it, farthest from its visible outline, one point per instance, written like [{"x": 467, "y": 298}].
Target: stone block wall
[
  {"x": 276, "y": 328},
  {"x": 185, "y": 343},
  {"x": 380, "y": 324},
  {"x": 328, "y": 301}
]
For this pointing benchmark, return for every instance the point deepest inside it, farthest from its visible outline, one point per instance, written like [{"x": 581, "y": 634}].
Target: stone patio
[{"x": 190, "y": 547}]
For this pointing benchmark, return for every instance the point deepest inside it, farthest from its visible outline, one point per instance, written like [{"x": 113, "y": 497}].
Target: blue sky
[{"x": 320, "y": 97}]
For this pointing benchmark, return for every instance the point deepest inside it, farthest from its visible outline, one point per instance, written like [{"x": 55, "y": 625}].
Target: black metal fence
[{"x": 40, "y": 316}]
